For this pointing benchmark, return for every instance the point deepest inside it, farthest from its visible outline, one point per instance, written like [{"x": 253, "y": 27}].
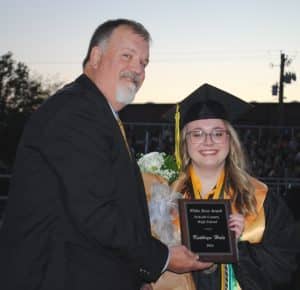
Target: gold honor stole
[{"x": 254, "y": 223}]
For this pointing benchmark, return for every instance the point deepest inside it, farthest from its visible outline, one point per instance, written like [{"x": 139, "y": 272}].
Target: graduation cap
[{"x": 206, "y": 102}]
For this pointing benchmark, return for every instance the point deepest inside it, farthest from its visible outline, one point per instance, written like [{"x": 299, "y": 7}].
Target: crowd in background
[{"x": 272, "y": 152}]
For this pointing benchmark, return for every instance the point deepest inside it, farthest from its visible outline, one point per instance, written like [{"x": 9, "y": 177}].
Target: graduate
[{"x": 213, "y": 166}]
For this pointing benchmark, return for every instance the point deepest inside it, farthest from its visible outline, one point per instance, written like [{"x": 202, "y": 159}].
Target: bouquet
[
  {"x": 159, "y": 163},
  {"x": 163, "y": 206}
]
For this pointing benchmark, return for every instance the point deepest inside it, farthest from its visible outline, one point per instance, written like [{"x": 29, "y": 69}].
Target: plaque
[{"x": 204, "y": 230}]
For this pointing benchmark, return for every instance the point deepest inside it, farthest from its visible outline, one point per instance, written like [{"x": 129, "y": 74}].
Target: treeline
[{"x": 20, "y": 94}]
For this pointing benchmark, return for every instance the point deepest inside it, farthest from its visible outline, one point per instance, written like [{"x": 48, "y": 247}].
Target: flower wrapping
[
  {"x": 164, "y": 216},
  {"x": 163, "y": 211}
]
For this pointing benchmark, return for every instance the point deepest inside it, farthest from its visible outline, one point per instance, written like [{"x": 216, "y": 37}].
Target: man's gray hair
[{"x": 104, "y": 31}]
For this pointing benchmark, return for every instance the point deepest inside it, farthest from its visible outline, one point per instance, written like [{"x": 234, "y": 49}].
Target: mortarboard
[
  {"x": 206, "y": 102},
  {"x": 209, "y": 102}
]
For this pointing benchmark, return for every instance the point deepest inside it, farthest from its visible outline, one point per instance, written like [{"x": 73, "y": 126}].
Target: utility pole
[
  {"x": 281, "y": 89},
  {"x": 283, "y": 78}
]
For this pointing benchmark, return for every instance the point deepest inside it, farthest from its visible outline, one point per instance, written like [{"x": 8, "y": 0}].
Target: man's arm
[{"x": 77, "y": 145}]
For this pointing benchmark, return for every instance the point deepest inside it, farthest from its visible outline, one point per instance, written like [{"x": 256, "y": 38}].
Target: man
[{"x": 77, "y": 215}]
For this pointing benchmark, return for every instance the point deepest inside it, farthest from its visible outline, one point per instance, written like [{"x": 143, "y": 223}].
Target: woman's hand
[{"x": 236, "y": 223}]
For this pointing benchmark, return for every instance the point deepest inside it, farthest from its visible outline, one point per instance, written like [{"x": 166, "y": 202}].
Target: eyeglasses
[{"x": 217, "y": 136}]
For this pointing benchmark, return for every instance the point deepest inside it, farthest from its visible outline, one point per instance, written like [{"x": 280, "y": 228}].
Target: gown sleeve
[{"x": 271, "y": 262}]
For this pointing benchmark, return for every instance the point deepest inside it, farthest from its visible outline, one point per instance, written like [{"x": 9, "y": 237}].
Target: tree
[
  {"x": 18, "y": 91},
  {"x": 20, "y": 95}
]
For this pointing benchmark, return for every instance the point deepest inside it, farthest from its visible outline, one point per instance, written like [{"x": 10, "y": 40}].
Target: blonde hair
[{"x": 237, "y": 176}]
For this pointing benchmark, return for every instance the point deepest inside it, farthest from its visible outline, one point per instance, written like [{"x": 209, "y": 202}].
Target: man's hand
[{"x": 183, "y": 260}]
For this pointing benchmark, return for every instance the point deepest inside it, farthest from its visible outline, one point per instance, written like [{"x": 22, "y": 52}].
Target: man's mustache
[{"x": 134, "y": 77}]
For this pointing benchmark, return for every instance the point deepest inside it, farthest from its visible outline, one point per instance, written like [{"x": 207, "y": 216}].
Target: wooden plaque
[{"x": 204, "y": 230}]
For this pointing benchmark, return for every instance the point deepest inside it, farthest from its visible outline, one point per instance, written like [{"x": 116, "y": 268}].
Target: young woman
[{"x": 213, "y": 166}]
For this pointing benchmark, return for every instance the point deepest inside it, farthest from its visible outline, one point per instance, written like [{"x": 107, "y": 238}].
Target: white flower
[
  {"x": 151, "y": 162},
  {"x": 156, "y": 163}
]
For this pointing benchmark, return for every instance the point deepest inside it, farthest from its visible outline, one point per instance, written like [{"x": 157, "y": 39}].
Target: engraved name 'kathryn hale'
[{"x": 209, "y": 238}]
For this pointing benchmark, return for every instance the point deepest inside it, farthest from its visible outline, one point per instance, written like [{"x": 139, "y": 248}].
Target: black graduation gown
[{"x": 263, "y": 265}]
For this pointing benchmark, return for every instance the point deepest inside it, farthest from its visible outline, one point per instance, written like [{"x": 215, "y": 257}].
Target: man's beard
[{"x": 126, "y": 94}]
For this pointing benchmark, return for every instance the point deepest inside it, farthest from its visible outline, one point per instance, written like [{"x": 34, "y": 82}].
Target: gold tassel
[{"x": 177, "y": 137}]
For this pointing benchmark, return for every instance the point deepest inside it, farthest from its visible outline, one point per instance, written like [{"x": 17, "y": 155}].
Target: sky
[{"x": 234, "y": 45}]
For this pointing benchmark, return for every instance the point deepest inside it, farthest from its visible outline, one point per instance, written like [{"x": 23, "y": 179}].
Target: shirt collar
[{"x": 116, "y": 115}]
